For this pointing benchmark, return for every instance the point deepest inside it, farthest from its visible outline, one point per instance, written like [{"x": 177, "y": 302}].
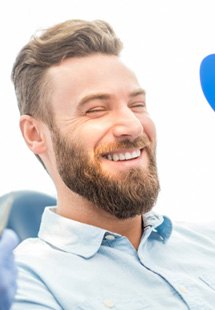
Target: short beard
[{"x": 133, "y": 193}]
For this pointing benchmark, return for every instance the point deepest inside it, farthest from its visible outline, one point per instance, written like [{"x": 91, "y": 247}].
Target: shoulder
[
  {"x": 30, "y": 247},
  {"x": 206, "y": 229},
  {"x": 38, "y": 257},
  {"x": 195, "y": 233},
  {"x": 35, "y": 256}
]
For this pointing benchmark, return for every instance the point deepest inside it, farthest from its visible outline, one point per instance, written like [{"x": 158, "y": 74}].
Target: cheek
[{"x": 91, "y": 133}]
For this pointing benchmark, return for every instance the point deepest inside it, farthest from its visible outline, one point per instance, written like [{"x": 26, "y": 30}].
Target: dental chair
[{"x": 26, "y": 211}]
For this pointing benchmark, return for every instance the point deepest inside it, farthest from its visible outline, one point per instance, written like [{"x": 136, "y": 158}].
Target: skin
[{"x": 96, "y": 101}]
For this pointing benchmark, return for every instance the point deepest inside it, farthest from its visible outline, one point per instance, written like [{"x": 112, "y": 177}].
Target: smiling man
[{"x": 84, "y": 115}]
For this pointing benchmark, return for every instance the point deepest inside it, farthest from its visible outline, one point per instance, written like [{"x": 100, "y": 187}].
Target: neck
[{"x": 79, "y": 209}]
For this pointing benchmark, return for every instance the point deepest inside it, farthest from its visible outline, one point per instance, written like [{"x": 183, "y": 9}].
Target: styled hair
[{"x": 72, "y": 38}]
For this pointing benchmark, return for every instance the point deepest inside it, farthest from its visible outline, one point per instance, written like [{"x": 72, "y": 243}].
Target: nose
[{"x": 126, "y": 124}]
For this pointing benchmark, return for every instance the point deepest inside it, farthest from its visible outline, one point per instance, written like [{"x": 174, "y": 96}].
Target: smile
[{"x": 123, "y": 156}]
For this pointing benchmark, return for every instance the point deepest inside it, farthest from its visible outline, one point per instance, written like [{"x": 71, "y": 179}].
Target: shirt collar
[
  {"x": 69, "y": 235},
  {"x": 85, "y": 240},
  {"x": 159, "y": 224}
]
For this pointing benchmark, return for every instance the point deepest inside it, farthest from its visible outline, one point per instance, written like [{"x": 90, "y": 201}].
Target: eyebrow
[
  {"x": 102, "y": 96},
  {"x": 139, "y": 91}
]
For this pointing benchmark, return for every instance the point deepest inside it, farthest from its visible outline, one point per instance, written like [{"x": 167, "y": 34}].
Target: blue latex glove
[{"x": 8, "y": 272}]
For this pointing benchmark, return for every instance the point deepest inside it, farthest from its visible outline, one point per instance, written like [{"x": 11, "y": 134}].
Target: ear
[{"x": 33, "y": 132}]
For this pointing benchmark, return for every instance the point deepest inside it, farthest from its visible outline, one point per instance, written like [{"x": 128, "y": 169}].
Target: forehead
[{"x": 75, "y": 78}]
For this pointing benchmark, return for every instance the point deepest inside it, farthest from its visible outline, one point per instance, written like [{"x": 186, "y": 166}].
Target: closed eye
[
  {"x": 138, "y": 106},
  {"x": 96, "y": 112}
]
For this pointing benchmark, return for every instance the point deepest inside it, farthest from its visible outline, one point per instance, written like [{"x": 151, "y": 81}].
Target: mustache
[{"x": 139, "y": 142}]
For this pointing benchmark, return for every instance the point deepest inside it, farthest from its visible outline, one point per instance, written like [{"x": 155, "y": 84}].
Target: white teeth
[
  {"x": 136, "y": 153},
  {"x": 109, "y": 157},
  {"x": 121, "y": 157},
  {"x": 115, "y": 157},
  {"x": 124, "y": 156},
  {"x": 128, "y": 156}
]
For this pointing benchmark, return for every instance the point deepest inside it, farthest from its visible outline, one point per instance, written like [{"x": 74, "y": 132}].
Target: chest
[{"x": 116, "y": 280}]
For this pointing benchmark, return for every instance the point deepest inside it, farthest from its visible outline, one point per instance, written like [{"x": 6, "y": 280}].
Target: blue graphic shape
[{"x": 207, "y": 79}]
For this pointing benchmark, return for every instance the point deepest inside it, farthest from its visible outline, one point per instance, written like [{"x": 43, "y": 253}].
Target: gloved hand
[{"x": 8, "y": 272}]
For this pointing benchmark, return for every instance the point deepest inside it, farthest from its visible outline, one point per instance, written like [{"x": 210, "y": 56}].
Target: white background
[{"x": 165, "y": 42}]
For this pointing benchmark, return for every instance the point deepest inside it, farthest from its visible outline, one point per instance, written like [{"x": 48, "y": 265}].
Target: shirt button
[
  {"x": 108, "y": 303},
  {"x": 183, "y": 289},
  {"x": 110, "y": 237}
]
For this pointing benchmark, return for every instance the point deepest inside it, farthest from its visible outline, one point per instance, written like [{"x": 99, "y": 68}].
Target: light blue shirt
[{"x": 77, "y": 266}]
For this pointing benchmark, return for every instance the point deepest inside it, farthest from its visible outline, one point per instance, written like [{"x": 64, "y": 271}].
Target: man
[
  {"x": 8, "y": 270},
  {"x": 84, "y": 115}
]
